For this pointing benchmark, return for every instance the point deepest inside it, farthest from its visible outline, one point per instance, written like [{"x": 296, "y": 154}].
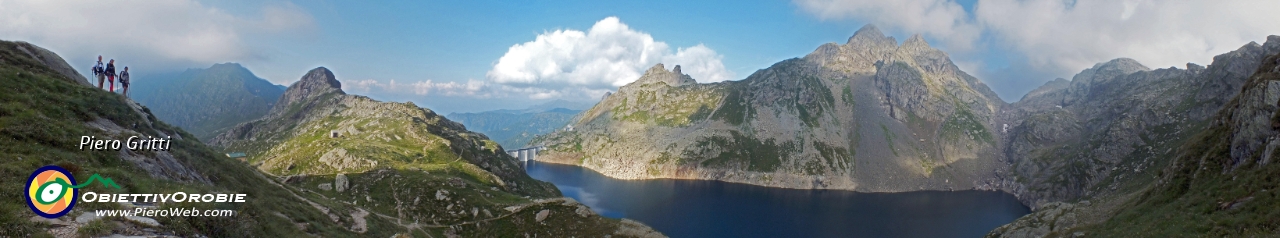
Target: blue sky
[
  {"x": 461, "y": 56},
  {"x": 456, "y": 41}
]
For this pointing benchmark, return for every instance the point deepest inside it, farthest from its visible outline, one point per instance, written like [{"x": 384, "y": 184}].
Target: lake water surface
[{"x": 693, "y": 208}]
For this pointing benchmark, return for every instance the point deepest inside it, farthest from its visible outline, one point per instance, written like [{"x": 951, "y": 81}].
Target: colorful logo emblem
[{"x": 51, "y": 191}]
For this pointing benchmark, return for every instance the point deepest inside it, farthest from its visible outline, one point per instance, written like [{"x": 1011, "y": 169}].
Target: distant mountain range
[
  {"x": 514, "y": 128},
  {"x": 206, "y": 102}
]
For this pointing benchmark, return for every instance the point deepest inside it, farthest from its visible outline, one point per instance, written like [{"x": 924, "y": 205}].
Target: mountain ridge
[{"x": 206, "y": 101}]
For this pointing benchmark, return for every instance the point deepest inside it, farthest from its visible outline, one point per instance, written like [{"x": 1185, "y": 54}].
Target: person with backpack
[
  {"x": 97, "y": 72},
  {"x": 124, "y": 81},
  {"x": 111, "y": 74}
]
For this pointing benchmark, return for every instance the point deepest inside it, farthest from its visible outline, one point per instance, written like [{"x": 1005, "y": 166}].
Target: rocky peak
[
  {"x": 318, "y": 81},
  {"x": 1194, "y": 68},
  {"x": 1084, "y": 81},
  {"x": 870, "y": 36},
  {"x": 915, "y": 42},
  {"x": 659, "y": 73},
  {"x": 318, "y": 78},
  {"x": 1121, "y": 66}
]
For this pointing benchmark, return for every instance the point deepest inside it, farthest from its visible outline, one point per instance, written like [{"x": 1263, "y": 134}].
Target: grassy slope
[
  {"x": 418, "y": 155},
  {"x": 42, "y": 116}
]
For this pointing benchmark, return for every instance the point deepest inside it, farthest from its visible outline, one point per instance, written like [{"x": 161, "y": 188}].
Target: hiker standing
[
  {"x": 124, "y": 81},
  {"x": 111, "y": 74},
  {"x": 97, "y": 72}
]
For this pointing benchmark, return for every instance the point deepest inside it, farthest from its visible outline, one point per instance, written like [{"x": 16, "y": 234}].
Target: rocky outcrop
[
  {"x": 1206, "y": 185},
  {"x": 659, "y": 74},
  {"x": 317, "y": 82},
  {"x": 1115, "y": 124}
]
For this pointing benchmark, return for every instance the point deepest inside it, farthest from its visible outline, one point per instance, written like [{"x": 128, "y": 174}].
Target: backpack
[{"x": 97, "y": 69}]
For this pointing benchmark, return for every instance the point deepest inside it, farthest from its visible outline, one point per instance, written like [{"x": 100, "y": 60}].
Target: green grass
[
  {"x": 95, "y": 228},
  {"x": 846, "y": 95},
  {"x": 835, "y": 157},
  {"x": 888, "y": 137},
  {"x": 736, "y": 108},
  {"x": 669, "y": 106},
  {"x": 964, "y": 124},
  {"x": 760, "y": 156},
  {"x": 811, "y": 113}
]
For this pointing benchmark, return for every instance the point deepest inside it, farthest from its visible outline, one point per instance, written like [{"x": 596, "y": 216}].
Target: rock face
[
  {"x": 1207, "y": 183},
  {"x": 317, "y": 82},
  {"x": 1116, "y": 124},
  {"x": 659, "y": 74},
  {"x": 869, "y": 115}
]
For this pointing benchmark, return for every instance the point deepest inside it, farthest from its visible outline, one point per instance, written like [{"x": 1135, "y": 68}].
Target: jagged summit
[
  {"x": 916, "y": 41},
  {"x": 659, "y": 73},
  {"x": 869, "y": 35},
  {"x": 1109, "y": 69},
  {"x": 319, "y": 77},
  {"x": 317, "y": 82}
]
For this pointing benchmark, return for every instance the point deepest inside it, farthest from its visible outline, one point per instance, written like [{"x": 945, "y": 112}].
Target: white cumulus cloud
[
  {"x": 607, "y": 56},
  {"x": 1157, "y": 33}
]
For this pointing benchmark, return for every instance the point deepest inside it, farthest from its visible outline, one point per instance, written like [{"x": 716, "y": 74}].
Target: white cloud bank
[
  {"x": 160, "y": 34},
  {"x": 608, "y": 55},
  {"x": 1064, "y": 37},
  {"x": 570, "y": 64}
]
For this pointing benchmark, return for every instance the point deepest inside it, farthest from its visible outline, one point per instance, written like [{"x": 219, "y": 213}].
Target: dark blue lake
[{"x": 691, "y": 208}]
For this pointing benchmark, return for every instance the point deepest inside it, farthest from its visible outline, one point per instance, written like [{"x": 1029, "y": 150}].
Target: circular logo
[{"x": 51, "y": 191}]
